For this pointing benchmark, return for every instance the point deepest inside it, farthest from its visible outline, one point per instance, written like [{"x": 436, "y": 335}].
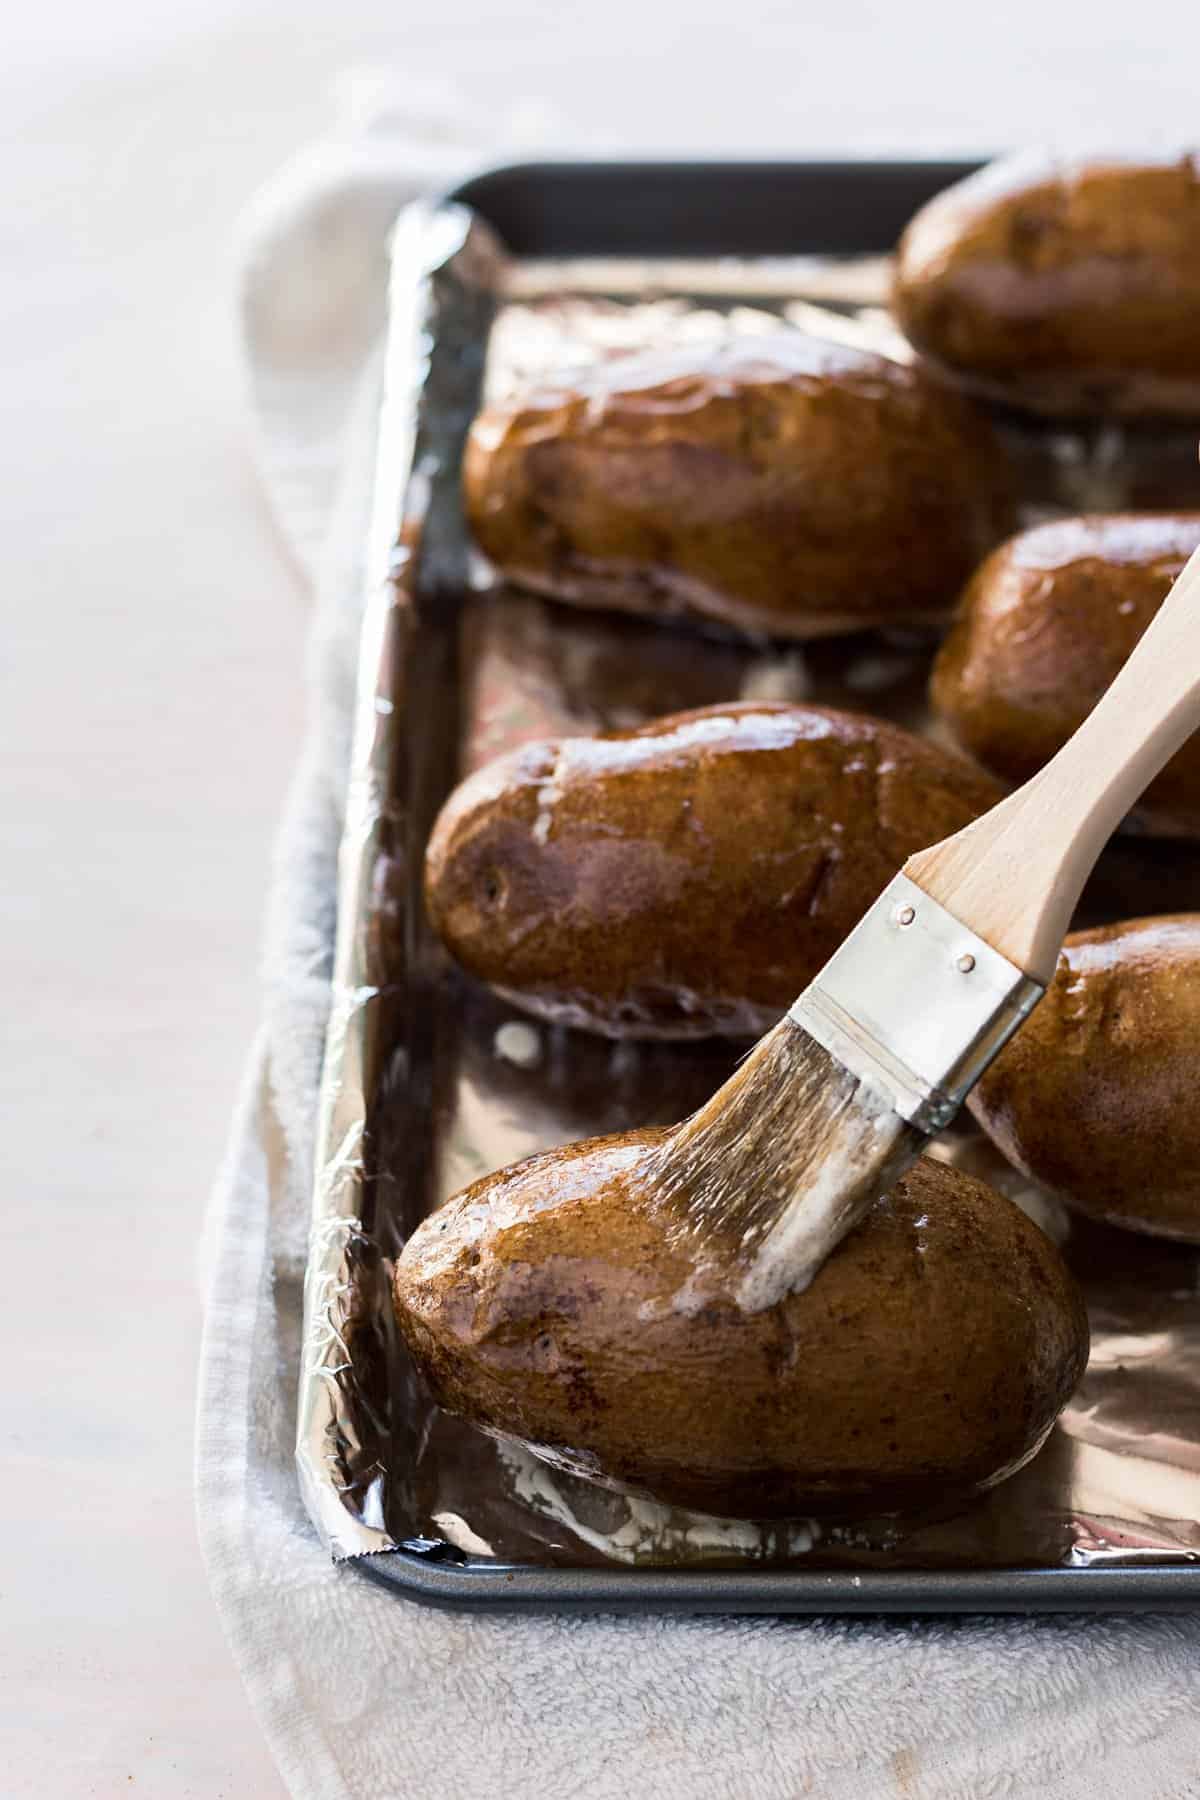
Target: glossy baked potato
[
  {"x": 687, "y": 878},
  {"x": 1043, "y": 628},
  {"x": 1066, "y": 287},
  {"x": 554, "y": 1303},
  {"x": 1095, "y": 1097},
  {"x": 776, "y": 484}
]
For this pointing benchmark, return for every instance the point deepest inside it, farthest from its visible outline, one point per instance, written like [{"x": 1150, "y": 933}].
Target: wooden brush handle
[{"x": 1015, "y": 875}]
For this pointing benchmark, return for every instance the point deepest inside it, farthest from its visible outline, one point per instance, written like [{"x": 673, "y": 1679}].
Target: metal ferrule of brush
[{"x": 916, "y": 1005}]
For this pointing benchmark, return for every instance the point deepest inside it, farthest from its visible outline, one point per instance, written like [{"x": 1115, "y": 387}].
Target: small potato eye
[{"x": 493, "y": 886}]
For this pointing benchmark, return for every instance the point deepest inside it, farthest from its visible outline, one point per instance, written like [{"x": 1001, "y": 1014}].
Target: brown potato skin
[
  {"x": 1068, "y": 287},
  {"x": 1095, "y": 1097},
  {"x": 687, "y": 878},
  {"x": 928, "y": 1358},
  {"x": 1044, "y": 626},
  {"x": 777, "y": 484}
]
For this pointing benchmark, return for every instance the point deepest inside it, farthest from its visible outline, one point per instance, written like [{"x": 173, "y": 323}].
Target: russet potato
[
  {"x": 687, "y": 878},
  {"x": 1044, "y": 627},
  {"x": 1095, "y": 1097},
  {"x": 775, "y": 485},
  {"x": 557, "y": 1303},
  {"x": 1068, "y": 287}
]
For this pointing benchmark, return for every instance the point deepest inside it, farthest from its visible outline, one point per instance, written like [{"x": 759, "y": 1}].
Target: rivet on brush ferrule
[{"x": 894, "y": 1006}]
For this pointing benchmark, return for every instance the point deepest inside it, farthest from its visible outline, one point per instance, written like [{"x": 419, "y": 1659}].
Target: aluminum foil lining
[{"x": 430, "y": 1081}]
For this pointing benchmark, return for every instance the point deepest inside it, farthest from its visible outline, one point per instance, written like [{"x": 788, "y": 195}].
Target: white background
[{"x": 151, "y": 702}]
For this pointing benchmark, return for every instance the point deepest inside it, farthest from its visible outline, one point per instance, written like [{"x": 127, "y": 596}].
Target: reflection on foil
[
  {"x": 431, "y": 1081},
  {"x": 458, "y": 1533},
  {"x": 630, "y": 1528}
]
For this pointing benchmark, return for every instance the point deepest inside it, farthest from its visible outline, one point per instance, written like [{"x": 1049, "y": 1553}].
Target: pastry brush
[{"x": 883, "y": 1046}]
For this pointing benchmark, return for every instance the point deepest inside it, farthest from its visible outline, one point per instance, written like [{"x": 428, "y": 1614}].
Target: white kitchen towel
[{"x": 366, "y": 1697}]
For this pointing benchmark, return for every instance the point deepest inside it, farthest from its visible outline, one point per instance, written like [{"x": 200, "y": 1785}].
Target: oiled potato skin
[
  {"x": 687, "y": 878},
  {"x": 1095, "y": 1097},
  {"x": 1044, "y": 627},
  {"x": 928, "y": 1358},
  {"x": 775, "y": 484},
  {"x": 1067, "y": 287}
]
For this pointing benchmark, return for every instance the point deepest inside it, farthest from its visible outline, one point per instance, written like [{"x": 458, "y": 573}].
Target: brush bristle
[{"x": 783, "y": 1161}]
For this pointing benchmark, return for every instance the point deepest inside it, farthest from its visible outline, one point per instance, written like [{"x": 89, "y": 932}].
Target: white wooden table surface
[{"x": 151, "y": 702}]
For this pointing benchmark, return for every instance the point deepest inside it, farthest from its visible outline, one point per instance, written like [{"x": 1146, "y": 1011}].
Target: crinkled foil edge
[{"x": 440, "y": 255}]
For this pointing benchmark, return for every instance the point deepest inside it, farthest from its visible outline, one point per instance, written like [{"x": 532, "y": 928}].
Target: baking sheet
[{"x": 430, "y": 1081}]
